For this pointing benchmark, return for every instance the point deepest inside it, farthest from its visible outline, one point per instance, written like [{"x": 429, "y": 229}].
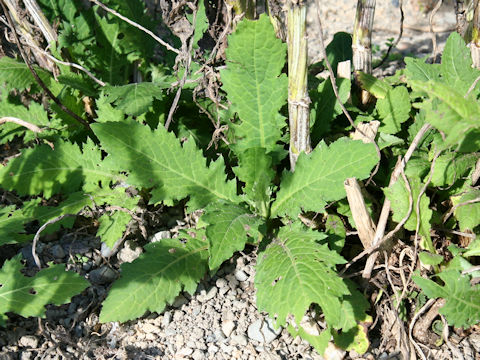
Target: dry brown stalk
[{"x": 20, "y": 122}]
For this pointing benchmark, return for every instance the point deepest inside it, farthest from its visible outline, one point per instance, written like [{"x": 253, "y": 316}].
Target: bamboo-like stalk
[
  {"x": 362, "y": 40},
  {"x": 298, "y": 100},
  {"x": 475, "y": 43},
  {"x": 40, "y": 20}
]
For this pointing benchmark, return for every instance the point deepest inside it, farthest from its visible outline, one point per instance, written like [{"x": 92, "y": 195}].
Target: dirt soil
[{"x": 220, "y": 320}]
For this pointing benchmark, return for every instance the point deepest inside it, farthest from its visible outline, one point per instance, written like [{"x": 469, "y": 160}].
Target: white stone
[
  {"x": 267, "y": 333},
  {"x": 150, "y": 328},
  {"x": 227, "y": 327}
]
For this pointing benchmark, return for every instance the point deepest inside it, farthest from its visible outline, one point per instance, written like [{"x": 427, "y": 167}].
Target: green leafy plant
[{"x": 246, "y": 192}]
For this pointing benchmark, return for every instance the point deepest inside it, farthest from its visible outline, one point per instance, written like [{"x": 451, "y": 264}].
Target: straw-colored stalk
[
  {"x": 298, "y": 100},
  {"x": 362, "y": 40},
  {"x": 464, "y": 13},
  {"x": 475, "y": 43},
  {"x": 23, "y": 26}
]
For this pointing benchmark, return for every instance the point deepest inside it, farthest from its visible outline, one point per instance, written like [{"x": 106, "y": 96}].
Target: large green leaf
[
  {"x": 229, "y": 227},
  {"x": 456, "y": 65},
  {"x": 156, "y": 159},
  {"x": 135, "y": 99},
  {"x": 16, "y": 75},
  {"x": 255, "y": 170},
  {"x": 294, "y": 272},
  {"x": 462, "y": 308},
  {"x": 417, "y": 69},
  {"x": 34, "y": 114},
  {"x": 254, "y": 83},
  {"x": 64, "y": 169},
  {"x": 27, "y": 296},
  {"x": 450, "y": 112},
  {"x": 468, "y": 215},
  {"x": 452, "y": 166},
  {"x": 394, "y": 109},
  {"x": 399, "y": 198},
  {"x": 319, "y": 176},
  {"x": 11, "y": 226},
  {"x": 154, "y": 279}
]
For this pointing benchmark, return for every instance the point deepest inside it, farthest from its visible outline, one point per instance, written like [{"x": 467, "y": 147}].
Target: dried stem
[
  {"x": 40, "y": 20},
  {"x": 20, "y": 122},
  {"x": 362, "y": 41},
  {"x": 475, "y": 43},
  {"x": 298, "y": 100},
  {"x": 400, "y": 34}
]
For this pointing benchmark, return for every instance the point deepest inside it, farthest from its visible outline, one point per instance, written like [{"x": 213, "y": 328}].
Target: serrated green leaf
[
  {"x": 319, "y": 342},
  {"x": 64, "y": 169},
  {"x": 417, "y": 69},
  {"x": 394, "y": 109},
  {"x": 16, "y": 75},
  {"x": 296, "y": 271},
  {"x": 450, "y": 167},
  {"x": 112, "y": 227},
  {"x": 201, "y": 23},
  {"x": 376, "y": 87},
  {"x": 254, "y": 83},
  {"x": 468, "y": 215},
  {"x": 73, "y": 204},
  {"x": 473, "y": 249},
  {"x": 229, "y": 227},
  {"x": 12, "y": 229},
  {"x": 326, "y": 106},
  {"x": 336, "y": 232},
  {"x": 462, "y": 307},
  {"x": 387, "y": 140},
  {"x": 78, "y": 82},
  {"x": 319, "y": 176},
  {"x": 106, "y": 112},
  {"x": 27, "y": 296},
  {"x": 34, "y": 114},
  {"x": 430, "y": 259},
  {"x": 135, "y": 99},
  {"x": 157, "y": 159},
  {"x": 456, "y": 64},
  {"x": 399, "y": 199},
  {"x": 255, "y": 170},
  {"x": 354, "y": 339},
  {"x": 154, "y": 279}
]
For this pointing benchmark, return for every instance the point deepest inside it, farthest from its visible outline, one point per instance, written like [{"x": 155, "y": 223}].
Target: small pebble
[
  {"x": 239, "y": 339},
  {"x": 102, "y": 275},
  {"x": 150, "y": 328},
  {"x": 129, "y": 252},
  {"x": 161, "y": 235},
  {"x": 28, "y": 341},
  {"x": 227, "y": 327},
  {"x": 198, "y": 355},
  {"x": 179, "y": 301},
  {"x": 240, "y": 275},
  {"x": 186, "y": 351},
  {"x": 57, "y": 251},
  {"x": 204, "y": 297},
  {"x": 267, "y": 333},
  {"x": 167, "y": 318}
]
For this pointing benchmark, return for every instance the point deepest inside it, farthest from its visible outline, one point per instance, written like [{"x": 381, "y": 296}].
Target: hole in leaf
[
  {"x": 274, "y": 282},
  {"x": 121, "y": 36},
  {"x": 32, "y": 291}
]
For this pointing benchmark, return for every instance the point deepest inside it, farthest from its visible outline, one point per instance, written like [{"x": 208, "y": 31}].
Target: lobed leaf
[
  {"x": 468, "y": 214},
  {"x": 154, "y": 279},
  {"x": 156, "y": 159},
  {"x": 294, "y": 272},
  {"x": 135, "y": 99},
  {"x": 27, "y": 296},
  {"x": 461, "y": 308},
  {"x": 394, "y": 109},
  {"x": 254, "y": 83},
  {"x": 64, "y": 169},
  {"x": 229, "y": 227},
  {"x": 319, "y": 176}
]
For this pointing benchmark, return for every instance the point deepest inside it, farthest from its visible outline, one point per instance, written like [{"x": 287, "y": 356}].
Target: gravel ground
[{"x": 220, "y": 320}]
